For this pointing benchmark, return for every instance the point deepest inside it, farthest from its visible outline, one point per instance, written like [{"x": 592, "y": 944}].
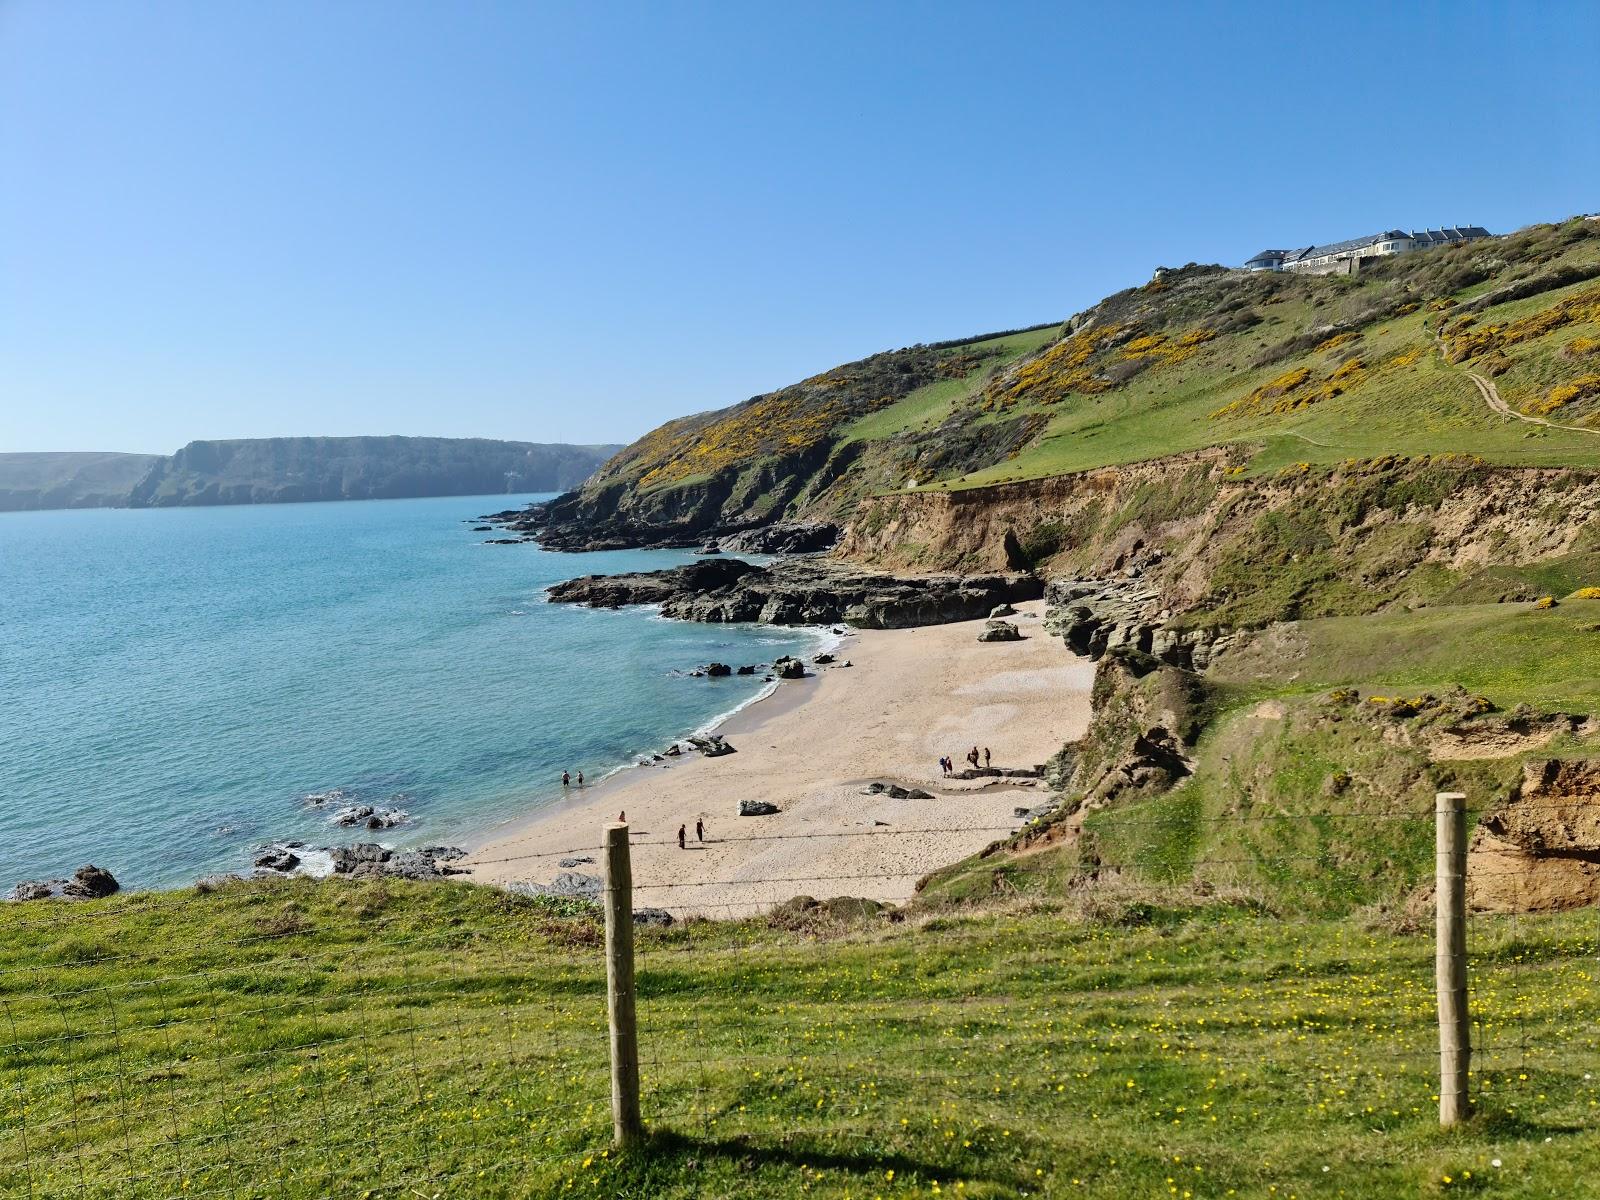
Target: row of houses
[{"x": 1345, "y": 257}]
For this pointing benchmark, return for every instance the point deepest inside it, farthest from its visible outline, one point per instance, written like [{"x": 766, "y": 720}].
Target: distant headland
[{"x": 284, "y": 470}]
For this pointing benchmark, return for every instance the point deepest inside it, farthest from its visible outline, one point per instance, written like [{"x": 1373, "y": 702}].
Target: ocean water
[{"x": 175, "y": 684}]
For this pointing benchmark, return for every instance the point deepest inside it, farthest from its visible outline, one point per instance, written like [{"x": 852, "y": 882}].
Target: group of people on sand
[
  {"x": 683, "y": 830},
  {"x": 948, "y": 767}
]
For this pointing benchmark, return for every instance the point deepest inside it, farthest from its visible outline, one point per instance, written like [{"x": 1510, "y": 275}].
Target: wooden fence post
[
  {"x": 626, "y": 1126},
  {"x": 1450, "y": 954}
]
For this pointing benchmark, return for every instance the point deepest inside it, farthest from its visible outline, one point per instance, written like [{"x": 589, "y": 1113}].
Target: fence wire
[{"x": 363, "y": 1039}]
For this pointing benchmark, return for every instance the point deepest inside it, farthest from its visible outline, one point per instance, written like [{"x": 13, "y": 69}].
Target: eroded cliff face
[
  {"x": 1228, "y": 551},
  {"x": 1540, "y": 851}
]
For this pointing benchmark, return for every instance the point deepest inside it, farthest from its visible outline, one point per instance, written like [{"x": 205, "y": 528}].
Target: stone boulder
[
  {"x": 789, "y": 667},
  {"x": 718, "y": 670},
  {"x": 711, "y": 745},
  {"x": 995, "y": 630},
  {"x": 784, "y": 537},
  {"x": 278, "y": 858},
  {"x": 1002, "y": 610},
  {"x": 90, "y": 883},
  {"x": 757, "y": 808},
  {"x": 652, "y": 916}
]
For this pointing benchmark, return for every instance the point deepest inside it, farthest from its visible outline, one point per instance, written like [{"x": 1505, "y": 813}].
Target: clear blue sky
[{"x": 570, "y": 222}]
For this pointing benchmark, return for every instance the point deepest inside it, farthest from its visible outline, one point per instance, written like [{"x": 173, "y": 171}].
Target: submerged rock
[
  {"x": 370, "y": 817},
  {"x": 277, "y": 859}
]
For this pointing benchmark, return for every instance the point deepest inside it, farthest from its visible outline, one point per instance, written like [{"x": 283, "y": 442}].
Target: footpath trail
[{"x": 1491, "y": 397}]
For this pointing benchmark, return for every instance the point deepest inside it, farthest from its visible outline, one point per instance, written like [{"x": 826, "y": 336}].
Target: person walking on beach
[
  {"x": 622, "y": 817},
  {"x": 699, "y": 830},
  {"x": 681, "y": 845},
  {"x": 985, "y": 762},
  {"x": 566, "y": 780}
]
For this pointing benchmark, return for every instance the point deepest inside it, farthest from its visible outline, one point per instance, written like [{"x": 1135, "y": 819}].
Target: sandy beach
[{"x": 811, "y": 748}]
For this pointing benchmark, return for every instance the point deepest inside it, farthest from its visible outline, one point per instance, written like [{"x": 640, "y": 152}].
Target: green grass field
[
  {"x": 1512, "y": 653},
  {"x": 931, "y": 404},
  {"x": 300, "y": 1039},
  {"x": 1423, "y": 406}
]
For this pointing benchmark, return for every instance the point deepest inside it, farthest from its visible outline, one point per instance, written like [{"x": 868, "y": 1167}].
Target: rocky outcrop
[
  {"x": 88, "y": 882},
  {"x": 784, "y": 537},
  {"x": 1095, "y": 616},
  {"x": 1147, "y": 717},
  {"x": 368, "y": 859},
  {"x": 805, "y": 591},
  {"x": 711, "y": 745},
  {"x": 367, "y": 816},
  {"x": 1540, "y": 851},
  {"x": 757, "y": 808}
]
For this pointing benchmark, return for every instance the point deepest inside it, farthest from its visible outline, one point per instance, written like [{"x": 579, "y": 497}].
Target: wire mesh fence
[{"x": 1151, "y": 1021}]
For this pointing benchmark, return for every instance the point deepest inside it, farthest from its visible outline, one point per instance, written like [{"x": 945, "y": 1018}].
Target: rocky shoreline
[
  {"x": 801, "y": 591},
  {"x": 537, "y": 523}
]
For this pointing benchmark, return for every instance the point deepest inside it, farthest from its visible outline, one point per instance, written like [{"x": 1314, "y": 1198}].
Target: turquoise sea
[{"x": 175, "y": 683}]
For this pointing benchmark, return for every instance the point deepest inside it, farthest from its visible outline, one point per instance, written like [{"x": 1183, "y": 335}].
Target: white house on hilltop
[{"x": 1345, "y": 257}]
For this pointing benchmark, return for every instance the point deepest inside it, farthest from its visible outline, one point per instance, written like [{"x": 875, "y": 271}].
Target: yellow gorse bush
[{"x": 1471, "y": 342}]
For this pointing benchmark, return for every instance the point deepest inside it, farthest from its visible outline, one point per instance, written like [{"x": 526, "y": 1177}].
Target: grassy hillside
[
  {"x": 1330, "y": 367},
  {"x": 70, "y": 480},
  {"x": 1290, "y": 369},
  {"x": 297, "y": 1039},
  {"x": 276, "y": 470},
  {"x": 808, "y": 450}
]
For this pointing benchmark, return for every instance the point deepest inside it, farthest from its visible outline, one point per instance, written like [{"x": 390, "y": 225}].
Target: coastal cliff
[{"x": 278, "y": 470}]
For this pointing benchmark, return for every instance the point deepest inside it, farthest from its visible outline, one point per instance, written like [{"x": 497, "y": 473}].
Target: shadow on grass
[{"x": 669, "y": 1155}]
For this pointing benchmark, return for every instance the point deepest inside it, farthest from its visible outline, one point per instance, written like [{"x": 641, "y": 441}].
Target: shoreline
[{"x": 812, "y": 747}]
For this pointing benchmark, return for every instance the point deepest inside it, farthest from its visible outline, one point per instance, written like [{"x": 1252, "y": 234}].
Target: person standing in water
[
  {"x": 566, "y": 780},
  {"x": 681, "y": 845},
  {"x": 580, "y": 778}
]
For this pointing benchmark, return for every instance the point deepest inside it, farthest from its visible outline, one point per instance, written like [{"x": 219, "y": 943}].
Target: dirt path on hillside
[{"x": 1491, "y": 397}]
